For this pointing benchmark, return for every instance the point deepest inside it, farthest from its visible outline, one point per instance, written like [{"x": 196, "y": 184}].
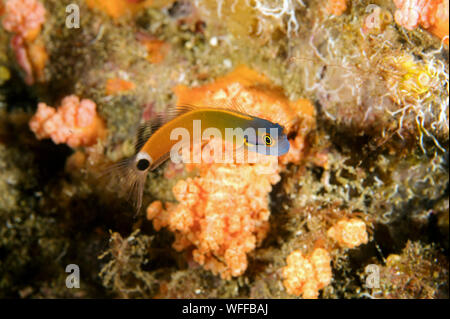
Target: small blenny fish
[{"x": 155, "y": 141}]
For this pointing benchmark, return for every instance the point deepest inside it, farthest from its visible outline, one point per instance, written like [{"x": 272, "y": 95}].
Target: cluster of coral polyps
[
  {"x": 223, "y": 213},
  {"x": 305, "y": 276},
  {"x": 75, "y": 122},
  {"x": 430, "y": 14},
  {"x": 336, "y": 7},
  {"x": 24, "y": 18},
  {"x": 349, "y": 233}
]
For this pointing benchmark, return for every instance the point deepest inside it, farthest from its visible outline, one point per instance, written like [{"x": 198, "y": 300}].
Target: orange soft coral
[
  {"x": 223, "y": 212},
  {"x": 75, "y": 123},
  {"x": 305, "y": 276},
  {"x": 156, "y": 49},
  {"x": 430, "y": 14},
  {"x": 336, "y": 7},
  {"x": 117, "y": 86},
  {"x": 349, "y": 233},
  {"x": 441, "y": 26},
  {"x": 119, "y": 8}
]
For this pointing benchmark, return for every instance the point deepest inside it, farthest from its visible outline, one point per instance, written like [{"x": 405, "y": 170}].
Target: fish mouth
[{"x": 283, "y": 147}]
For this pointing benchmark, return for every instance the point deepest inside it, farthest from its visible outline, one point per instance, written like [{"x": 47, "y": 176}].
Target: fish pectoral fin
[
  {"x": 124, "y": 179},
  {"x": 159, "y": 161}
]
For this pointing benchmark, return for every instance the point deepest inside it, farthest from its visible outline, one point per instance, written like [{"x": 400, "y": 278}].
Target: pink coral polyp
[
  {"x": 75, "y": 123},
  {"x": 23, "y": 16}
]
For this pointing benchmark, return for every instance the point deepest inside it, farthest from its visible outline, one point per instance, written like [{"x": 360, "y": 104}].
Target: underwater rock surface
[{"x": 361, "y": 88}]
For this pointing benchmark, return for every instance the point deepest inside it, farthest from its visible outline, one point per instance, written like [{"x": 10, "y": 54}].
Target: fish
[{"x": 156, "y": 141}]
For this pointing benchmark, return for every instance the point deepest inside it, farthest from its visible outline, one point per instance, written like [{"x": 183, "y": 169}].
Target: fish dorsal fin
[
  {"x": 184, "y": 108},
  {"x": 146, "y": 130},
  {"x": 228, "y": 104},
  {"x": 234, "y": 105}
]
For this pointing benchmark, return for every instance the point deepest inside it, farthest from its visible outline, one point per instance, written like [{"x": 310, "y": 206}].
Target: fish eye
[
  {"x": 142, "y": 164},
  {"x": 143, "y": 161},
  {"x": 268, "y": 140}
]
